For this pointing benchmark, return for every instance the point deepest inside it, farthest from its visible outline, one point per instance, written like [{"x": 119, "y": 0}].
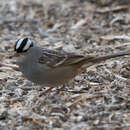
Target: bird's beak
[{"x": 15, "y": 54}]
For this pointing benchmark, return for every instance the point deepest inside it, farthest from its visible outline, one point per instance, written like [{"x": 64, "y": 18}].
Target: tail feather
[
  {"x": 108, "y": 56},
  {"x": 89, "y": 61}
]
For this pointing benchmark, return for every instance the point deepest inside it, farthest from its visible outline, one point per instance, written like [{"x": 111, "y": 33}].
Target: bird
[{"x": 49, "y": 67}]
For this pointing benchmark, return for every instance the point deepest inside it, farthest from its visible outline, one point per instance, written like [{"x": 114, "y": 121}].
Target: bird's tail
[
  {"x": 97, "y": 59},
  {"x": 109, "y": 56}
]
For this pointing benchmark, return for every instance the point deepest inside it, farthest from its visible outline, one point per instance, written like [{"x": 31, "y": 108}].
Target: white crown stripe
[
  {"x": 19, "y": 43},
  {"x": 27, "y": 46}
]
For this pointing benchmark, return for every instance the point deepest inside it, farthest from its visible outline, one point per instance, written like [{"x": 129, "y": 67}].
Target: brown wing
[
  {"x": 58, "y": 58},
  {"x": 61, "y": 58}
]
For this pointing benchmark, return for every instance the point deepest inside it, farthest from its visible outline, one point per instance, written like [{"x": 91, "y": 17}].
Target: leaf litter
[{"x": 99, "y": 98}]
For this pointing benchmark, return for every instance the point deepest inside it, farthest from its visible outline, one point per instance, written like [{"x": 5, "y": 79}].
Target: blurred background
[{"x": 100, "y": 97}]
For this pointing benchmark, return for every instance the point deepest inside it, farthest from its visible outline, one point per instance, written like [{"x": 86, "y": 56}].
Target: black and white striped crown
[{"x": 23, "y": 45}]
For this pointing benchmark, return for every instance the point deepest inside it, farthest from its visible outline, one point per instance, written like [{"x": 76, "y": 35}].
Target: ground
[{"x": 97, "y": 99}]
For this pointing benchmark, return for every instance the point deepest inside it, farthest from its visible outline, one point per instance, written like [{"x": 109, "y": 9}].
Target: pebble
[{"x": 79, "y": 78}]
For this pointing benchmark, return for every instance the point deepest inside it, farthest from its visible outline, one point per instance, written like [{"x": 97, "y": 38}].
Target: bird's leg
[
  {"x": 45, "y": 92},
  {"x": 48, "y": 90},
  {"x": 59, "y": 90}
]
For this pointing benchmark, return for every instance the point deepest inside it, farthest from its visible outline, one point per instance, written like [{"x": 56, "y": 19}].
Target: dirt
[{"x": 97, "y": 99}]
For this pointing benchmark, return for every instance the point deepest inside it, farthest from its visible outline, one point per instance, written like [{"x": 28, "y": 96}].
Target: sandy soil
[{"x": 99, "y": 98}]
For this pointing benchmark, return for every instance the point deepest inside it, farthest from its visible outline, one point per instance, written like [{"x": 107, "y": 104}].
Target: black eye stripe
[
  {"x": 22, "y": 45},
  {"x": 20, "y": 49}
]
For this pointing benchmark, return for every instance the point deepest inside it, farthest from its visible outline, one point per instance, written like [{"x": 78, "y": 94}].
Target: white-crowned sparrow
[{"x": 47, "y": 67}]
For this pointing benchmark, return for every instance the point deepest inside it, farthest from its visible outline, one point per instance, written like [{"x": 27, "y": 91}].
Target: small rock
[
  {"x": 69, "y": 48},
  {"x": 3, "y": 113},
  {"x": 19, "y": 91},
  {"x": 22, "y": 128},
  {"x": 79, "y": 78}
]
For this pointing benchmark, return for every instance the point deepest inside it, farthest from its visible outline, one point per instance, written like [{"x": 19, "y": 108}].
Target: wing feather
[{"x": 59, "y": 58}]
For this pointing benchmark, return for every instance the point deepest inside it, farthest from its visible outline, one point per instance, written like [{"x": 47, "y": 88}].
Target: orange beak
[{"x": 15, "y": 55}]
